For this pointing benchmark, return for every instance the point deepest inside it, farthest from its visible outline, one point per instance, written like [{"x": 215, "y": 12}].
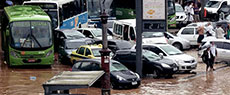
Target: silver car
[
  {"x": 222, "y": 46},
  {"x": 177, "y": 42}
]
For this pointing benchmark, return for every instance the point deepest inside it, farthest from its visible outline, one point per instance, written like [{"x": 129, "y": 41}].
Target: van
[
  {"x": 212, "y": 7},
  {"x": 126, "y": 30}
]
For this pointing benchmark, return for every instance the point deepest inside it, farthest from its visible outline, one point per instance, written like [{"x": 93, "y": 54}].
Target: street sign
[{"x": 154, "y": 16}]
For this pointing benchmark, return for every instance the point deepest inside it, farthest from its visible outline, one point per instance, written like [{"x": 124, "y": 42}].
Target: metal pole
[
  {"x": 202, "y": 10},
  {"x": 139, "y": 37},
  {"x": 105, "y": 60}
]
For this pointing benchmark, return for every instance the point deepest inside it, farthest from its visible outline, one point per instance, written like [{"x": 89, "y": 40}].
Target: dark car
[
  {"x": 152, "y": 63},
  {"x": 67, "y": 41},
  {"x": 115, "y": 44},
  {"x": 120, "y": 76}
]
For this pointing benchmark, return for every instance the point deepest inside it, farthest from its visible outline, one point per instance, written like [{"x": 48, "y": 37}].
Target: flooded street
[{"x": 29, "y": 80}]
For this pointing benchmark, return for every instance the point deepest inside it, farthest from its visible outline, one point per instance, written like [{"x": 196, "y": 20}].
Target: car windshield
[
  {"x": 179, "y": 8},
  {"x": 171, "y": 50},
  {"x": 31, "y": 34},
  {"x": 117, "y": 67},
  {"x": 97, "y": 32},
  {"x": 150, "y": 55},
  {"x": 152, "y": 34},
  {"x": 72, "y": 34},
  {"x": 74, "y": 44},
  {"x": 96, "y": 52},
  {"x": 213, "y": 4}
]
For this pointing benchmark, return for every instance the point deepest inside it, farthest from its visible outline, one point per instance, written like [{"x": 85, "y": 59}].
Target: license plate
[
  {"x": 134, "y": 83},
  {"x": 31, "y": 60}
]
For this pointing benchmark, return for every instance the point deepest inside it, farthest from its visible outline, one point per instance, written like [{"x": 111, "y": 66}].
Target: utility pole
[
  {"x": 105, "y": 60},
  {"x": 139, "y": 37},
  {"x": 202, "y": 10}
]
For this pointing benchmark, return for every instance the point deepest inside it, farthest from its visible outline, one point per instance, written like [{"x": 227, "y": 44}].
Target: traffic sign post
[{"x": 151, "y": 16}]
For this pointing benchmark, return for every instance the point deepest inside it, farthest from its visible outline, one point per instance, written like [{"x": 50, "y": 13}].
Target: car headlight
[
  {"x": 49, "y": 53},
  {"x": 165, "y": 65},
  {"x": 120, "y": 78},
  {"x": 138, "y": 77},
  {"x": 14, "y": 54}
]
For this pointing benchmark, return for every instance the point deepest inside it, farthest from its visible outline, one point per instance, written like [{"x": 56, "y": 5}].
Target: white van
[
  {"x": 126, "y": 30},
  {"x": 212, "y": 6}
]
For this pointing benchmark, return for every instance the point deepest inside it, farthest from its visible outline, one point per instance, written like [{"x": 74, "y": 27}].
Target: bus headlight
[
  {"x": 13, "y": 54},
  {"x": 49, "y": 53}
]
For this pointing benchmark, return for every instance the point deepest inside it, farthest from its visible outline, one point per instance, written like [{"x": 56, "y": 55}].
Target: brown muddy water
[{"x": 29, "y": 80}]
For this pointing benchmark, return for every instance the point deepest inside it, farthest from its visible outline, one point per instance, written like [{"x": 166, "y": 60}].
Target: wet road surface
[{"x": 29, "y": 80}]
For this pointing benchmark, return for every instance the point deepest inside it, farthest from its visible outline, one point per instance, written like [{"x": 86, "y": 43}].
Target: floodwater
[{"x": 29, "y": 80}]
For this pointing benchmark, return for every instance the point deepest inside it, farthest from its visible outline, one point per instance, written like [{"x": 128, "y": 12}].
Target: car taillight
[{"x": 70, "y": 69}]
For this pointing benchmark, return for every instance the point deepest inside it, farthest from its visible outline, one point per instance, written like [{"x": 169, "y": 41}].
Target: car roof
[
  {"x": 126, "y": 51},
  {"x": 94, "y": 60},
  {"x": 92, "y": 46},
  {"x": 215, "y": 39},
  {"x": 158, "y": 44},
  {"x": 88, "y": 29}
]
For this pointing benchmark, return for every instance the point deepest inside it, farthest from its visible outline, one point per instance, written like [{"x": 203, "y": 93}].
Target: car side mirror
[{"x": 161, "y": 55}]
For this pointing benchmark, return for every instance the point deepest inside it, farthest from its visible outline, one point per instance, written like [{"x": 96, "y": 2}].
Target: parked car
[
  {"x": 222, "y": 46},
  {"x": 115, "y": 44},
  {"x": 69, "y": 40},
  {"x": 185, "y": 62},
  {"x": 180, "y": 15},
  {"x": 190, "y": 33},
  {"x": 177, "y": 42},
  {"x": 153, "y": 37},
  {"x": 152, "y": 63},
  {"x": 120, "y": 76},
  {"x": 87, "y": 52},
  {"x": 213, "y": 6},
  {"x": 94, "y": 33}
]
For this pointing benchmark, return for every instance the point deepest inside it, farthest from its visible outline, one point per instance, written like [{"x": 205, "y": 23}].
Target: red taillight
[{"x": 70, "y": 69}]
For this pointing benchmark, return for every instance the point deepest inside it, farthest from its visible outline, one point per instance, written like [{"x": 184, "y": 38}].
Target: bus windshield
[
  {"x": 31, "y": 34},
  {"x": 50, "y": 9}
]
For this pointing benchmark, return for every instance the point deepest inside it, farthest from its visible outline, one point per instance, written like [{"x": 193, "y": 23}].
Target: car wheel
[
  {"x": 156, "y": 73},
  {"x": 178, "y": 45}
]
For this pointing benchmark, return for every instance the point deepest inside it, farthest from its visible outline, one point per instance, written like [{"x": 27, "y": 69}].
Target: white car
[
  {"x": 180, "y": 15},
  {"x": 190, "y": 33},
  {"x": 94, "y": 33},
  {"x": 185, "y": 62},
  {"x": 223, "y": 48},
  {"x": 153, "y": 37},
  {"x": 177, "y": 42}
]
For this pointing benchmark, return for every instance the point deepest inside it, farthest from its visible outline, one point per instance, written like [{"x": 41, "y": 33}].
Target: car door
[
  {"x": 189, "y": 34},
  {"x": 220, "y": 51},
  {"x": 88, "y": 53},
  {"x": 226, "y": 51}
]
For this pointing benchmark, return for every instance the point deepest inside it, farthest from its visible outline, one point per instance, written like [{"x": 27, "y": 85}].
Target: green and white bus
[{"x": 27, "y": 37}]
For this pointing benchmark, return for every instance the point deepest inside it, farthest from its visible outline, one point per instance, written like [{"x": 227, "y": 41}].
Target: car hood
[
  {"x": 154, "y": 40},
  {"x": 166, "y": 61},
  {"x": 69, "y": 51},
  {"x": 183, "y": 57},
  {"x": 125, "y": 74},
  {"x": 180, "y": 13}
]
